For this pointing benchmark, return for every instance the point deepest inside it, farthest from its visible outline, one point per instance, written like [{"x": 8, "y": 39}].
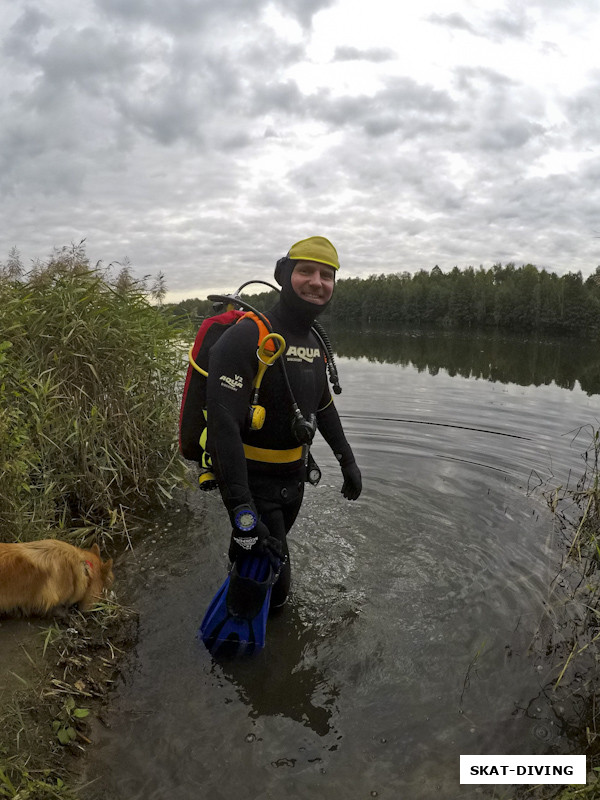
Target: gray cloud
[
  {"x": 476, "y": 80},
  {"x": 25, "y": 30},
  {"x": 583, "y": 109},
  {"x": 401, "y": 106},
  {"x": 509, "y": 135},
  {"x": 128, "y": 82},
  {"x": 184, "y": 16},
  {"x": 303, "y": 10},
  {"x": 181, "y": 18},
  {"x": 374, "y": 54},
  {"x": 510, "y": 24},
  {"x": 182, "y": 135},
  {"x": 283, "y": 97},
  {"x": 453, "y": 20},
  {"x": 506, "y": 24}
]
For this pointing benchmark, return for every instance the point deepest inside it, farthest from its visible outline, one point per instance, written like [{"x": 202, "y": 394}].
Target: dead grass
[{"x": 45, "y": 725}]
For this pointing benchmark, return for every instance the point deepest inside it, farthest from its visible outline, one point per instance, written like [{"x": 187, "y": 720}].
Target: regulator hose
[
  {"x": 300, "y": 424},
  {"x": 317, "y": 329},
  {"x": 236, "y": 300},
  {"x": 321, "y": 334}
]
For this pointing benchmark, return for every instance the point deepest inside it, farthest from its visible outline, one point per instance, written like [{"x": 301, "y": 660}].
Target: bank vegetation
[
  {"x": 88, "y": 399},
  {"x": 570, "y": 642}
]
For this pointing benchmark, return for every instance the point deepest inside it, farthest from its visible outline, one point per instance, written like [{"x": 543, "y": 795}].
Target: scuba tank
[{"x": 192, "y": 415}]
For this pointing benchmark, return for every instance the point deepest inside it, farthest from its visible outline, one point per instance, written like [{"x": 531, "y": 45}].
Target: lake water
[{"x": 416, "y": 630}]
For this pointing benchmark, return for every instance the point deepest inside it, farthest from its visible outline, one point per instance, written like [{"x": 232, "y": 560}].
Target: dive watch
[{"x": 244, "y": 518}]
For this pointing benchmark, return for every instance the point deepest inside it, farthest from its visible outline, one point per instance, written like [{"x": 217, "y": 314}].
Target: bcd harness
[
  {"x": 270, "y": 347},
  {"x": 193, "y": 415},
  {"x": 267, "y": 354}
]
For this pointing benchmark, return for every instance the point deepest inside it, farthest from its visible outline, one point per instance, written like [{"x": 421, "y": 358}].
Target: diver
[{"x": 261, "y": 473}]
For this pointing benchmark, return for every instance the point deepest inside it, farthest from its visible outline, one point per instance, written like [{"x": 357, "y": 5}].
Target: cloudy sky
[{"x": 203, "y": 137}]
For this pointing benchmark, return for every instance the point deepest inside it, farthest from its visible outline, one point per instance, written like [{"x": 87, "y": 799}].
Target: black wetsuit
[{"x": 276, "y": 489}]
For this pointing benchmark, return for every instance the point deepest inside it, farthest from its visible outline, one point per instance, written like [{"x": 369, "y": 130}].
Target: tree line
[
  {"x": 518, "y": 298},
  {"x": 505, "y": 296}
]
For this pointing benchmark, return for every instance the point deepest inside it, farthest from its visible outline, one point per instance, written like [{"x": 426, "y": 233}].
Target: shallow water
[{"x": 407, "y": 639}]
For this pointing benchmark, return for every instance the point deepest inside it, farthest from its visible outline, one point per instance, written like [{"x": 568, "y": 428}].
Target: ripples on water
[{"x": 406, "y": 642}]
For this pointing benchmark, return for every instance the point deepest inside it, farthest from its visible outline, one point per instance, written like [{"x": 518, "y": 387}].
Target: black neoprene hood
[{"x": 296, "y": 306}]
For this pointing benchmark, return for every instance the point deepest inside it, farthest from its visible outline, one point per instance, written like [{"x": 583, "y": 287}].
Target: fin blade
[{"x": 227, "y": 633}]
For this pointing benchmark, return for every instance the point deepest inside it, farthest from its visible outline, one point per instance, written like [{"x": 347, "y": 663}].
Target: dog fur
[{"x": 39, "y": 577}]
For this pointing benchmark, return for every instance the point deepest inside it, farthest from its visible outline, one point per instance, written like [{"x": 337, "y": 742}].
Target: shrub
[{"x": 89, "y": 376}]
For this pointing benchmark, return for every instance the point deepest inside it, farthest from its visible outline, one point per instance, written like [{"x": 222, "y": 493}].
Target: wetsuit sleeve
[
  {"x": 231, "y": 371},
  {"x": 330, "y": 427}
]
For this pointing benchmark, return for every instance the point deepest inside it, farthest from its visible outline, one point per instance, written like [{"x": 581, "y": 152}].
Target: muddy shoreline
[
  {"x": 58, "y": 672},
  {"x": 57, "y": 676}
]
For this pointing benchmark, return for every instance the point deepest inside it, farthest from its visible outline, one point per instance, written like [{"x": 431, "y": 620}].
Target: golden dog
[{"x": 37, "y": 577}]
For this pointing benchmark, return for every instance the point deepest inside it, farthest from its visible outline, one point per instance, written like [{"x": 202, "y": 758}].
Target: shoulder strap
[{"x": 262, "y": 329}]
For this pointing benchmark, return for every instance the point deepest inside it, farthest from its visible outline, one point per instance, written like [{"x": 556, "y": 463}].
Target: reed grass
[
  {"x": 89, "y": 374},
  {"x": 577, "y": 510}
]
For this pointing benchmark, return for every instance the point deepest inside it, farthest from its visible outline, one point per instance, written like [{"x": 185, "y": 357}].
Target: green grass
[
  {"x": 89, "y": 372},
  {"x": 577, "y": 510},
  {"x": 44, "y": 723}
]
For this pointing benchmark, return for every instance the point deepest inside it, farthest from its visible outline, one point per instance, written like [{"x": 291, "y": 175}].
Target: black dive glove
[
  {"x": 352, "y": 486},
  {"x": 252, "y": 537}
]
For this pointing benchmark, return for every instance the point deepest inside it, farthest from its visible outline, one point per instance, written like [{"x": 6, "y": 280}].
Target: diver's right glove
[
  {"x": 251, "y": 535},
  {"x": 352, "y": 486}
]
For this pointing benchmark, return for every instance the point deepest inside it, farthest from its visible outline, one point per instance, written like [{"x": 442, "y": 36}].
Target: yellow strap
[
  {"x": 266, "y": 356},
  {"x": 273, "y": 342},
  {"x": 329, "y": 402},
  {"x": 273, "y": 456},
  {"x": 194, "y": 365}
]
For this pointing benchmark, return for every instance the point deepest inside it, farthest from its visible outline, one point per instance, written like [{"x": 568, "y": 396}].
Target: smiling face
[{"x": 313, "y": 282}]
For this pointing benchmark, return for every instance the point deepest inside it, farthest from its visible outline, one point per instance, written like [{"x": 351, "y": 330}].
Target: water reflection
[
  {"x": 489, "y": 356},
  {"x": 286, "y": 683},
  {"x": 423, "y": 616}
]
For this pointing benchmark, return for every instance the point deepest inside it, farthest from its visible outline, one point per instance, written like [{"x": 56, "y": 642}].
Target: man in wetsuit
[{"x": 261, "y": 473}]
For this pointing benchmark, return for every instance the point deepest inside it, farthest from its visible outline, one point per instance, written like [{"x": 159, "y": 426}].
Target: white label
[
  {"x": 522, "y": 769},
  {"x": 247, "y": 542},
  {"x": 232, "y": 383},
  {"x": 307, "y": 354}
]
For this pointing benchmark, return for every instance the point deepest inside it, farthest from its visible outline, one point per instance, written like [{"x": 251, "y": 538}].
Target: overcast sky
[{"x": 203, "y": 137}]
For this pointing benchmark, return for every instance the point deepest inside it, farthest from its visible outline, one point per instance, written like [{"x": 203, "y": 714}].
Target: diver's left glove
[
  {"x": 251, "y": 536},
  {"x": 352, "y": 486}
]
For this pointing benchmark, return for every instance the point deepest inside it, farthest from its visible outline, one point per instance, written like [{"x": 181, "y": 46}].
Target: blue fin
[{"x": 235, "y": 622}]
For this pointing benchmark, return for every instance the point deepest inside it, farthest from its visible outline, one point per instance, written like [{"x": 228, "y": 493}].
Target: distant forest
[{"x": 518, "y": 298}]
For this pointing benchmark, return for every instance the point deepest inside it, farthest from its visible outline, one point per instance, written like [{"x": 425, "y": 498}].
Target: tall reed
[
  {"x": 574, "y": 638},
  {"x": 89, "y": 374}
]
